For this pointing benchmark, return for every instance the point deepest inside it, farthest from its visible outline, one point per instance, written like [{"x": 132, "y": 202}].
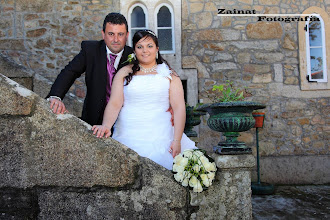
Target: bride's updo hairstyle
[{"x": 136, "y": 38}]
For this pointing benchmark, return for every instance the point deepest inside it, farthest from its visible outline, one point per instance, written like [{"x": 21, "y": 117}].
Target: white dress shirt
[{"x": 117, "y": 58}]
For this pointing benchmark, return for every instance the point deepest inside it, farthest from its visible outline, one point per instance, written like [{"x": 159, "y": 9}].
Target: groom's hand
[
  {"x": 101, "y": 130},
  {"x": 57, "y": 106}
]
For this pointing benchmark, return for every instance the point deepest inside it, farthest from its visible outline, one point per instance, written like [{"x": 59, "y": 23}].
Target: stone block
[
  {"x": 189, "y": 61},
  {"x": 238, "y": 203},
  {"x": 14, "y": 99},
  {"x": 294, "y": 105},
  {"x": 269, "y": 2},
  {"x": 159, "y": 198},
  {"x": 278, "y": 69},
  {"x": 291, "y": 80},
  {"x": 215, "y": 46},
  {"x": 223, "y": 66},
  {"x": 262, "y": 78},
  {"x": 26, "y": 82},
  {"x": 233, "y": 161},
  {"x": 13, "y": 44},
  {"x": 230, "y": 34},
  {"x": 43, "y": 43},
  {"x": 36, "y": 33},
  {"x": 196, "y": 7},
  {"x": 70, "y": 31},
  {"x": 264, "y": 30},
  {"x": 269, "y": 57},
  {"x": 295, "y": 169},
  {"x": 38, "y": 6},
  {"x": 4, "y": 23},
  {"x": 223, "y": 56},
  {"x": 210, "y": 34},
  {"x": 288, "y": 43},
  {"x": 243, "y": 58},
  {"x": 210, "y": 6},
  {"x": 202, "y": 71},
  {"x": 268, "y": 45},
  {"x": 250, "y": 2},
  {"x": 204, "y": 20}
]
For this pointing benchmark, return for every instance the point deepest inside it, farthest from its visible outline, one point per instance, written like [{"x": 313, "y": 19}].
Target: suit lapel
[
  {"x": 124, "y": 58},
  {"x": 103, "y": 64}
]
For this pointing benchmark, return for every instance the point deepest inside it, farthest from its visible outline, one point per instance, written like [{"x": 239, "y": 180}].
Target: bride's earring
[{"x": 157, "y": 56}]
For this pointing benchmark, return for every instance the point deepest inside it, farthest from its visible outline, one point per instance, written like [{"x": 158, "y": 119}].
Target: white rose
[
  {"x": 185, "y": 181},
  {"x": 178, "y": 168},
  {"x": 186, "y": 174},
  {"x": 198, "y": 187},
  {"x": 210, "y": 166},
  {"x": 178, "y": 177},
  {"x": 196, "y": 168},
  {"x": 184, "y": 162},
  {"x": 211, "y": 175},
  {"x": 205, "y": 180},
  {"x": 203, "y": 160},
  {"x": 198, "y": 153},
  {"x": 187, "y": 153},
  {"x": 180, "y": 160},
  {"x": 193, "y": 181}
]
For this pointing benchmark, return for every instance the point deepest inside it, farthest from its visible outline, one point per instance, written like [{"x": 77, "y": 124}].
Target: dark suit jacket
[{"x": 92, "y": 60}]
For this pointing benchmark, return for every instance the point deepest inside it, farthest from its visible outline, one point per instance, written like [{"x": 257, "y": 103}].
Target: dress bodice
[{"x": 148, "y": 92}]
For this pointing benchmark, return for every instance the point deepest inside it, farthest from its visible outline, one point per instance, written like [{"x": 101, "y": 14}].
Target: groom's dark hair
[{"x": 115, "y": 18}]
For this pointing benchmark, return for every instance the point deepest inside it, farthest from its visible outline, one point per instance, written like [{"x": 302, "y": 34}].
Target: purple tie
[{"x": 111, "y": 71}]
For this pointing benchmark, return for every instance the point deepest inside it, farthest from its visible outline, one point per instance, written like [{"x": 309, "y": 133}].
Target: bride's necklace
[{"x": 148, "y": 70}]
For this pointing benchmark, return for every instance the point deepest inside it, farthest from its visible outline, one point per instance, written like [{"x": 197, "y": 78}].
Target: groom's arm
[
  {"x": 69, "y": 74},
  {"x": 65, "y": 80}
]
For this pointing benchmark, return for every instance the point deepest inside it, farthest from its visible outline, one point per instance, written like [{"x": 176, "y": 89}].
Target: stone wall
[
  {"x": 44, "y": 35},
  {"x": 263, "y": 57},
  {"x": 52, "y": 167}
]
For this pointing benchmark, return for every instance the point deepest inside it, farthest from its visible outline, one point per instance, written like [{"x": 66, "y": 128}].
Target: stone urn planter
[
  {"x": 231, "y": 118},
  {"x": 192, "y": 119}
]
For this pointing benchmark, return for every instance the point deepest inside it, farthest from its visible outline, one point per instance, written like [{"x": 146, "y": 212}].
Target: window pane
[
  {"x": 165, "y": 39},
  {"x": 133, "y": 31},
  {"x": 316, "y": 63},
  {"x": 315, "y": 33},
  {"x": 164, "y": 17},
  {"x": 138, "y": 17}
]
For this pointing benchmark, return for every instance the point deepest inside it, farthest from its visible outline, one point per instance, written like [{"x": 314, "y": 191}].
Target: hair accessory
[{"x": 151, "y": 32}]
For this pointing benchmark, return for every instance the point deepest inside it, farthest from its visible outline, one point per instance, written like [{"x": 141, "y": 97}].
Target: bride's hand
[
  {"x": 100, "y": 130},
  {"x": 175, "y": 148}
]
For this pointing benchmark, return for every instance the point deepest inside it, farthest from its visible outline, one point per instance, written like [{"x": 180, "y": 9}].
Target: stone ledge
[
  {"x": 234, "y": 161},
  {"x": 43, "y": 149}
]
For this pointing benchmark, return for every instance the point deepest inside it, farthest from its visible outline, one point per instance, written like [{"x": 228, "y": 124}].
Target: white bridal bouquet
[{"x": 193, "y": 168}]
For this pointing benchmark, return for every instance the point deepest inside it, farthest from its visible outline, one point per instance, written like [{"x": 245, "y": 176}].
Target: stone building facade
[{"x": 266, "y": 57}]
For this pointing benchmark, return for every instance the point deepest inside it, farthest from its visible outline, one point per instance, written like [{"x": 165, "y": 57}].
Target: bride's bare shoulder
[{"x": 124, "y": 71}]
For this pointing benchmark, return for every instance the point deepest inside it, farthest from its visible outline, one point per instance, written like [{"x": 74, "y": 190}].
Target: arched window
[
  {"x": 138, "y": 20},
  {"x": 316, "y": 50},
  {"x": 165, "y": 28}
]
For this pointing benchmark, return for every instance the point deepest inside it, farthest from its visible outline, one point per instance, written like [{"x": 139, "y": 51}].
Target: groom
[{"x": 99, "y": 60}]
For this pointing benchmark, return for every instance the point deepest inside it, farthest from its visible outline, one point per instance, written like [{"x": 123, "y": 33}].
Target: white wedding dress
[{"x": 143, "y": 124}]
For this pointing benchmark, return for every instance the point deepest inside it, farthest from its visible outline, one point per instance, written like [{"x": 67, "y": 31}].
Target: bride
[{"x": 141, "y": 94}]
